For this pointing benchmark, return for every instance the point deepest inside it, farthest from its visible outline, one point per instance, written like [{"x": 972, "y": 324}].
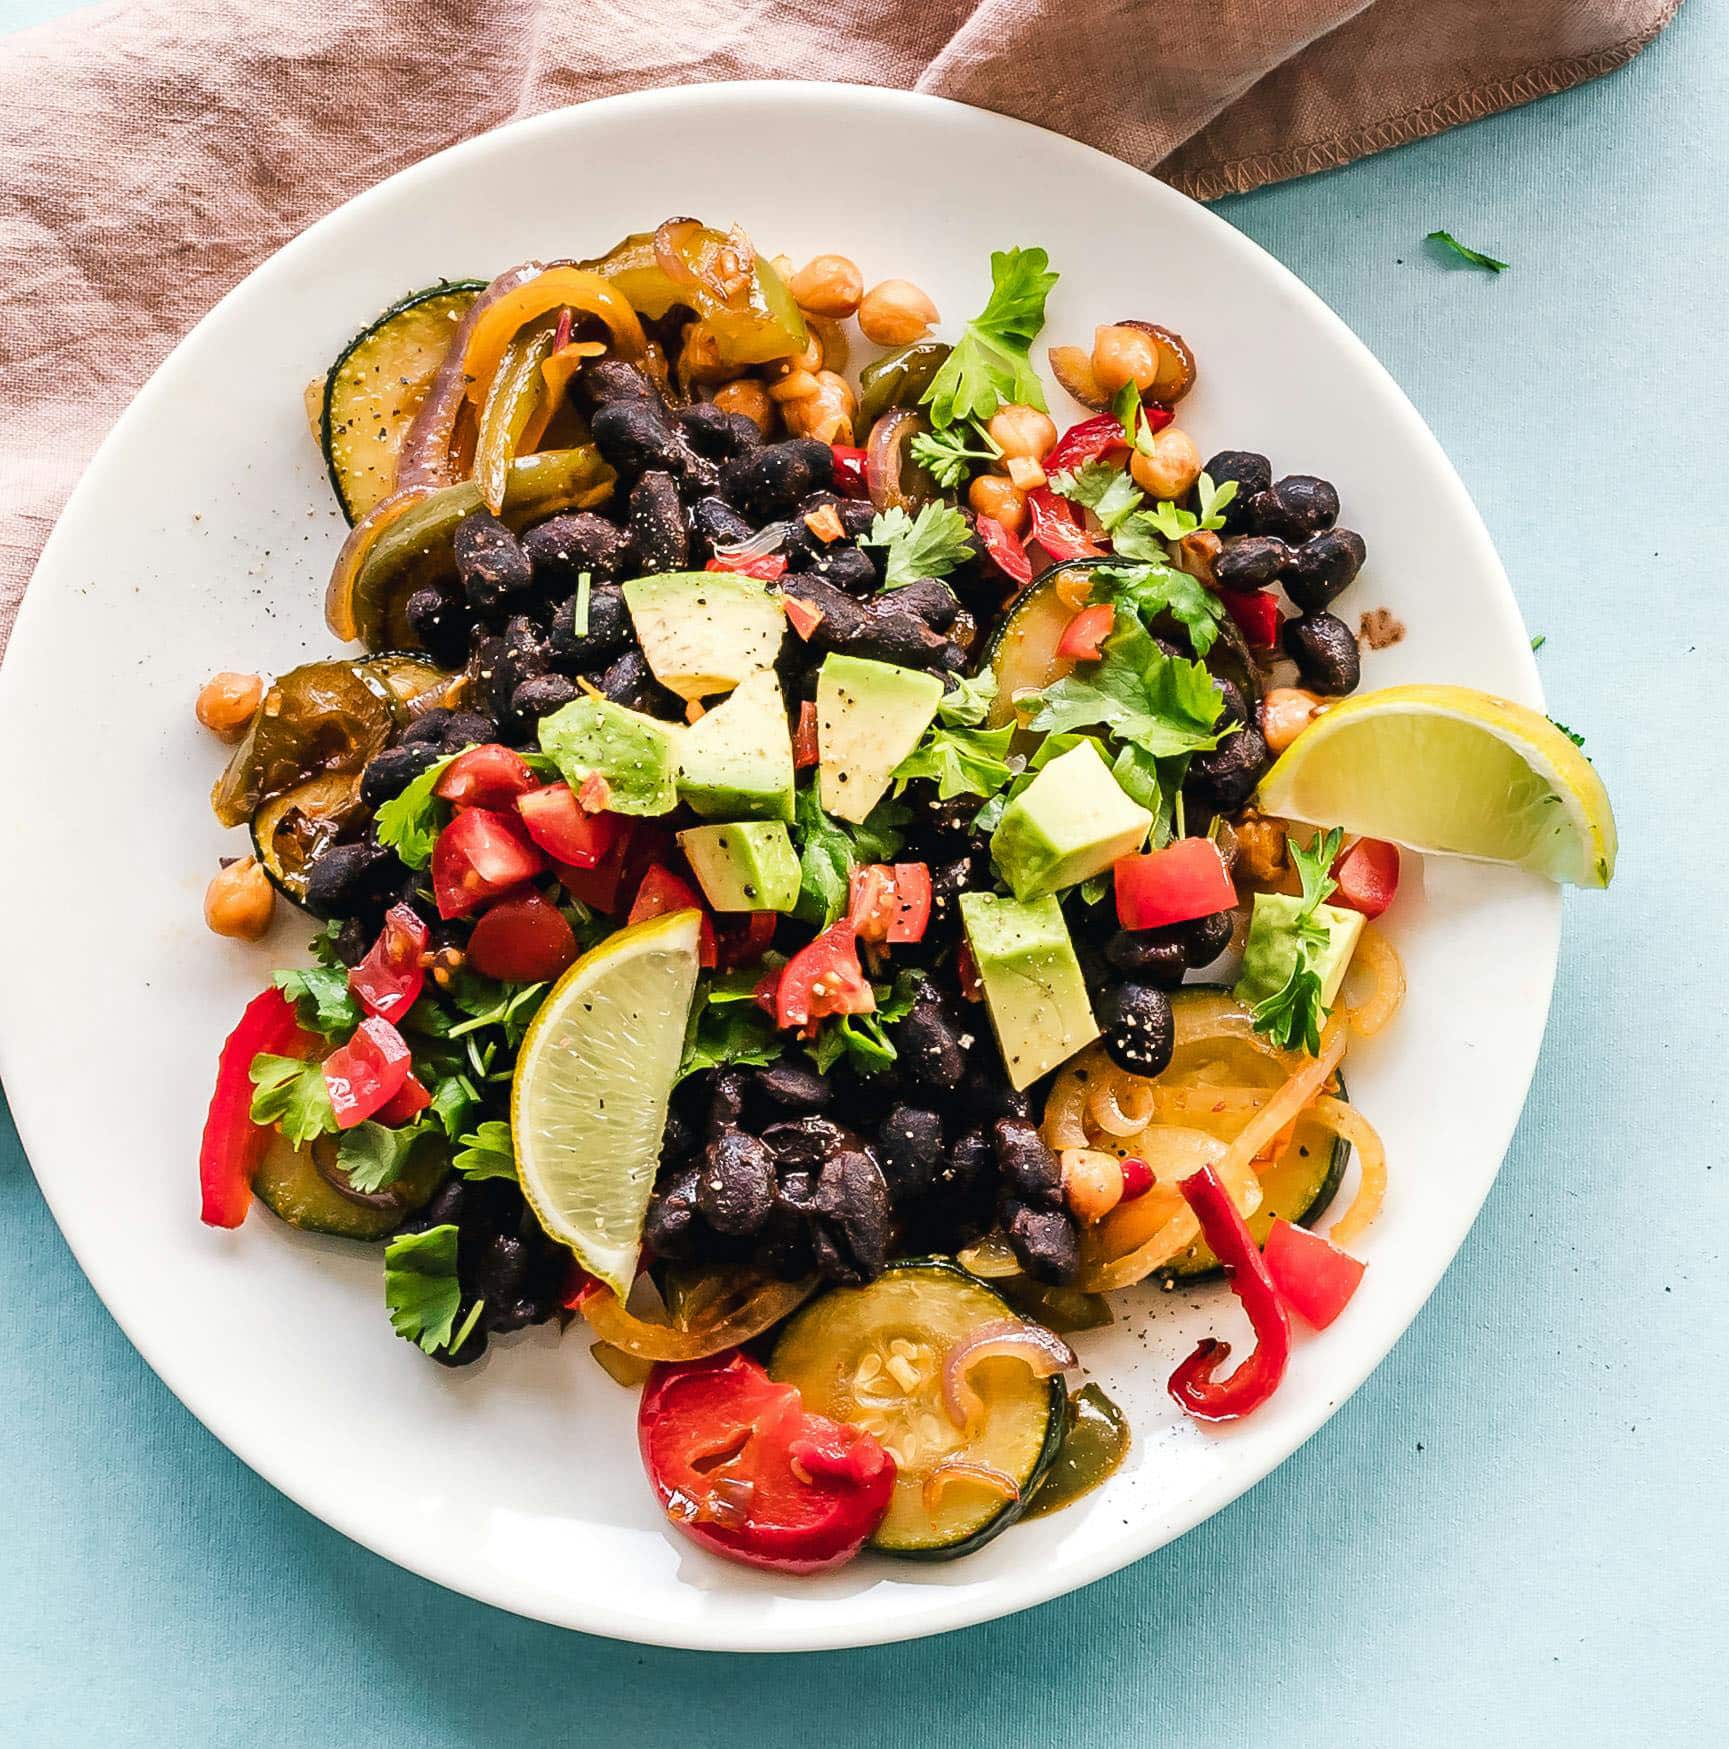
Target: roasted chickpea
[
  {"x": 826, "y": 413},
  {"x": 1021, "y": 430},
  {"x": 1286, "y": 711},
  {"x": 1122, "y": 354},
  {"x": 240, "y": 901},
  {"x": 827, "y": 285},
  {"x": 795, "y": 385},
  {"x": 226, "y": 702},
  {"x": 699, "y": 356},
  {"x": 747, "y": 396},
  {"x": 1169, "y": 466},
  {"x": 1092, "y": 1183},
  {"x": 895, "y": 313},
  {"x": 994, "y": 496}
]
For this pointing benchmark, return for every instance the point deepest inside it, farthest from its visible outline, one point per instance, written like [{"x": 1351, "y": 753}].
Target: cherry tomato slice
[
  {"x": 563, "y": 828},
  {"x": 743, "y": 940},
  {"x": 822, "y": 979},
  {"x": 480, "y": 855},
  {"x": 389, "y": 980},
  {"x": 1183, "y": 881},
  {"x": 1085, "y": 633},
  {"x": 662, "y": 891},
  {"x": 743, "y": 1468},
  {"x": 1316, "y": 1279},
  {"x": 485, "y": 777},
  {"x": 364, "y": 1075},
  {"x": 890, "y": 902},
  {"x": 410, "y": 1101},
  {"x": 1368, "y": 876},
  {"x": 522, "y": 939}
]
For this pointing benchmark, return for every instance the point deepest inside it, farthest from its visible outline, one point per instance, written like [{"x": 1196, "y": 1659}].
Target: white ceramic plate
[{"x": 201, "y": 538}]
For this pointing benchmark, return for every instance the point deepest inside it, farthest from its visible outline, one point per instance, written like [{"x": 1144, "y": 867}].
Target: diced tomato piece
[
  {"x": 1315, "y": 1278},
  {"x": 1256, "y": 612},
  {"x": 522, "y": 939},
  {"x": 389, "y": 980},
  {"x": 849, "y": 471},
  {"x": 890, "y": 902},
  {"x": 485, "y": 777},
  {"x": 803, "y": 616},
  {"x": 766, "y": 567},
  {"x": 410, "y": 1101},
  {"x": 1005, "y": 550},
  {"x": 766, "y": 995},
  {"x": 480, "y": 855},
  {"x": 1183, "y": 881},
  {"x": 663, "y": 891},
  {"x": 967, "y": 974},
  {"x": 742, "y": 940},
  {"x": 1086, "y": 632},
  {"x": 804, "y": 747},
  {"x": 823, "y": 978},
  {"x": 1368, "y": 876},
  {"x": 1086, "y": 442},
  {"x": 1057, "y": 528},
  {"x": 564, "y": 829},
  {"x": 364, "y": 1075}
]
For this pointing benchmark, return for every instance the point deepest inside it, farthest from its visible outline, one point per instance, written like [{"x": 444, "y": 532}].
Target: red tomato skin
[
  {"x": 1007, "y": 552},
  {"x": 743, "y": 940},
  {"x": 364, "y": 1075},
  {"x": 389, "y": 980},
  {"x": 1315, "y": 1279},
  {"x": 890, "y": 902},
  {"x": 663, "y": 891},
  {"x": 1368, "y": 876},
  {"x": 699, "y": 1409},
  {"x": 1256, "y": 612},
  {"x": 563, "y": 828},
  {"x": 1183, "y": 881},
  {"x": 833, "y": 959},
  {"x": 522, "y": 939},
  {"x": 912, "y": 902},
  {"x": 485, "y": 777},
  {"x": 410, "y": 1101},
  {"x": 1086, "y": 632},
  {"x": 804, "y": 743},
  {"x": 480, "y": 855},
  {"x": 1085, "y": 443}
]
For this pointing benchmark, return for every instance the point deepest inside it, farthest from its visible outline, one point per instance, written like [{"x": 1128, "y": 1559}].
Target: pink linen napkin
[{"x": 157, "y": 151}]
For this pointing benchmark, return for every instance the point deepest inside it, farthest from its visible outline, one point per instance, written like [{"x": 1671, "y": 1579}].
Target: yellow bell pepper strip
[
  {"x": 563, "y": 363},
  {"x": 515, "y": 393}
]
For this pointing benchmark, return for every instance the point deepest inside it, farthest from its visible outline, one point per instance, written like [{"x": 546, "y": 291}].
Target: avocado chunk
[
  {"x": 702, "y": 632},
  {"x": 869, "y": 717},
  {"x": 1271, "y": 949},
  {"x": 1033, "y": 986},
  {"x": 636, "y": 754},
  {"x": 1073, "y": 821},
  {"x": 736, "y": 762},
  {"x": 747, "y": 866}
]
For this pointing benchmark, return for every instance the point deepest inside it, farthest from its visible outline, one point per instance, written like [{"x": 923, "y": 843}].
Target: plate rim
[{"x": 1026, "y": 1588}]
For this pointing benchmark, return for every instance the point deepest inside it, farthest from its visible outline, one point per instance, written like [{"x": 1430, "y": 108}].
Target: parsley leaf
[
  {"x": 1175, "y": 523},
  {"x": 1314, "y": 868},
  {"x": 992, "y": 362},
  {"x": 1475, "y": 256},
  {"x": 487, "y": 1153},
  {"x": 454, "y": 1098},
  {"x": 1105, "y": 489},
  {"x": 1158, "y": 587},
  {"x": 421, "y": 1289},
  {"x": 726, "y": 1026},
  {"x": 929, "y": 545},
  {"x": 960, "y": 761},
  {"x": 486, "y": 1002},
  {"x": 829, "y": 850},
  {"x": 944, "y": 454},
  {"x": 862, "y": 1038},
  {"x": 408, "y": 823},
  {"x": 968, "y": 702},
  {"x": 291, "y": 1094},
  {"x": 373, "y": 1155},
  {"x": 1292, "y": 1015},
  {"x": 322, "y": 997}
]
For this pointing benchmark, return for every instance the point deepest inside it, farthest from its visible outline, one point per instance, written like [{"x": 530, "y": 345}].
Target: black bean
[
  {"x": 1325, "y": 652},
  {"x": 785, "y": 1246},
  {"x": 892, "y": 634},
  {"x": 852, "y": 1201},
  {"x": 716, "y": 434},
  {"x": 1294, "y": 508},
  {"x": 714, "y": 523},
  {"x": 503, "y": 663},
  {"x": 950, "y": 879},
  {"x": 1045, "y": 1241},
  {"x": 802, "y": 1144},
  {"x": 468, "y": 729},
  {"x": 910, "y": 1148},
  {"x": 771, "y": 481},
  {"x": 353, "y": 942},
  {"x": 931, "y": 1053},
  {"x": 472, "y": 1346},
  {"x": 793, "y": 1087},
  {"x": 726, "y": 1092},
  {"x": 350, "y": 879},
  {"x": 574, "y": 541},
  {"x": 1028, "y": 1168},
  {"x": 971, "y": 1161},
  {"x": 429, "y": 727},
  {"x": 1150, "y": 955},
  {"x": 1326, "y": 565},
  {"x": 1253, "y": 473},
  {"x": 986, "y": 1089},
  {"x": 1205, "y": 938},
  {"x": 609, "y": 630},
  {"x": 931, "y": 599},
  {"x": 1252, "y": 561},
  {"x": 1224, "y": 778},
  {"x": 657, "y": 527},
  {"x": 843, "y": 620},
  {"x": 845, "y": 566},
  {"x": 491, "y": 563},
  {"x": 636, "y": 437},
  {"x": 498, "y": 1268},
  {"x": 1236, "y": 708},
  {"x": 670, "y": 1228},
  {"x": 541, "y": 696},
  {"x": 1138, "y": 1027},
  {"x": 389, "y": 773},
  {"x": 736, "y": 1187},
  {"x": 605, "y": 380},
  {"x": 630, "y": 681},
  {"x": 439, "y": 616}
]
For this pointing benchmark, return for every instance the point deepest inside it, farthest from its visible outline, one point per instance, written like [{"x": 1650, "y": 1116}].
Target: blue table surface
[{"x": 1515, "y": 1531}]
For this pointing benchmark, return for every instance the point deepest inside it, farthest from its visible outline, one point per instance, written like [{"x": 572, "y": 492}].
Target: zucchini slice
[
  {"x": 290, "y": 831},
  {"x": 376, "y": 386},
  {"x": 873, "y": 1356},
  {"x": 290, "y": 1184}
]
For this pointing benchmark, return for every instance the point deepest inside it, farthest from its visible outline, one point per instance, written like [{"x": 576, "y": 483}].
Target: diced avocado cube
[
  {"x": 1032, "y": 981},
  {"x": 1271, "y": 949},
  {"x": 635, "y": 753},
  {"x": 1073, "y": 821},
  {"x": 869, "y": 717},
  {"x": 702, "y": 632},
  {"x": 736, "y": 762},
  {"x": 747, "y": 866}
]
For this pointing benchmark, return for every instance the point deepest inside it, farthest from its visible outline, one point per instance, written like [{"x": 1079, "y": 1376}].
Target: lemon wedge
[
  {"x": 588, "y": 1099},
  {"x": 1448, "y": 769}
]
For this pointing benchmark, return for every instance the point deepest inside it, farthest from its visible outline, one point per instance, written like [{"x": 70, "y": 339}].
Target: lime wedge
[
  {"x": 588, "y": 1101},
  {"x": 1449, "y": 769}
]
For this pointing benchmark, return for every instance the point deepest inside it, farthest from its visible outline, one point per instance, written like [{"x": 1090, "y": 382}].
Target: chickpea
[
  {"x": 994, "y": 496},
  {"x": 226, "y": 702},
  {"x": 895, "y": 313},
  {"x": 1021, "y": 430},
  {"x": 1169, "y": 466},
  {"x": 1286, "y": 711},
  {"x": 809, "y": 358},
  {"x": 747, "y": 396},
  {"x": 1123, "y": 355},
  {"x": 826, "y": 413},
  {"x": 827, "y": 285},
  {"x": 240, "y": 901},
  {"x": 1092, "y": 1183},
  {"x": 1262, "y": 857},
  {"x": 795, "y": 385}
]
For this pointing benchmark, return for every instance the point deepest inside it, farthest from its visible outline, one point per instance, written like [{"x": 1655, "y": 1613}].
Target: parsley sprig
[
  {"x": 946, "y": 455},
  {"x": 930, "y": 544},
  {"x": 422, "y": 1292},
  {"x": 992, "y": 363},
  {"x": 830, "y": 849},
  {"x": 1292, "y": 1015}
]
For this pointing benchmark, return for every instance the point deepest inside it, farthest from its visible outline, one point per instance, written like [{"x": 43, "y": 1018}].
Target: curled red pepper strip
[
  {"x": 1195, "y": 1385},
  {"x": 1058, "y": 529}
]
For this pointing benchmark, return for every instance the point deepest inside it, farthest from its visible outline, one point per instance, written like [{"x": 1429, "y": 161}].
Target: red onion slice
[
  {"x": 1043, "y": 1350},
  {"x": 884, "y": 449},
  {"x": 759, "y": 546}
]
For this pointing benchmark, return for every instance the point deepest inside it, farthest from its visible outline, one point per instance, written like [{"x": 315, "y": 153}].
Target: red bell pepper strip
[
  {"x": 663, "y": 891},
  {"x": 364, "y": 1075},
  {"x": 804, "y": 744},
  {"x": 1368, "y": 876},
  {"x": 389, "y": 980},
  {"x": 766, "y": 567},
  {"x": 823, "y": 978},
  {"x": 803, "y": 616},
  {"x": 1085, "y": 443},
  {"x": 1316, "y": 1278},
  {"x": 1083, "y": 635},
  {"x": 1058, "y": 529},
  {"x": 1005, "y": 550},
  {"x": 1194, "y": 1385},
  {"x": 233, "y": 1144},
  {"x": 849, "y": 471},
  {"x": 1183, "y": 881},
  {"x": 1256, "y": 612}
]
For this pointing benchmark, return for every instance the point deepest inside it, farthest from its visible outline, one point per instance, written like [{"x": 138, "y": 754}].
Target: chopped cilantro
[
  {"x": 1539, "y": 641},
  {"x": 322, "y": 998},
  {"x": 487, "y": 1153},
  {"x": 1175, "y": 523},
  {"x": 992, "y": 363},
  {"x": 829, "y": 850},
  {"x": 1105, "y": 489},
  {"x": 421, "y": 1289},
  {"x": 944, "y": 455},
  {"x": 968, "y": 702},
  {"x": 1292, "y": 1015},
  {"x": 1475, "y": 256},
  {"x": 373, "y": 1155},
  {"x": 960, "y": 761},
  {"x": 929, "y": 545},
  {"x": 1572, "y": 735},
  {"x": 291, "y": 1094},
  {"x": 408, "y": 823},
  {"x": 726, "y": 1026}
]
